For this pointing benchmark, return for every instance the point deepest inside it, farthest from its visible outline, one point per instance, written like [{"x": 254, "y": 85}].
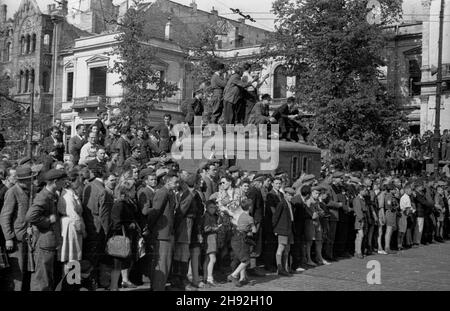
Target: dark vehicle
[{"x": 252, "y": 155}]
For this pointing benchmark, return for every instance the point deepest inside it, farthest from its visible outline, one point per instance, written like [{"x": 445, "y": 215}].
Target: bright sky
[{"x": 258, "y": 9}]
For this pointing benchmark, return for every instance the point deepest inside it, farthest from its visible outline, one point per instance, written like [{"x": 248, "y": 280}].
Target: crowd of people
[{"x": 193, "y": 229}]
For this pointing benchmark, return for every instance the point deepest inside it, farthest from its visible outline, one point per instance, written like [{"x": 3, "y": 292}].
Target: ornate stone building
[{"x": 28, "y": 47}]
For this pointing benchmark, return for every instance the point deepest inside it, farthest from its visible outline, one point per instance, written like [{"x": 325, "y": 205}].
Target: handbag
[{"x": 119, "y": 245}]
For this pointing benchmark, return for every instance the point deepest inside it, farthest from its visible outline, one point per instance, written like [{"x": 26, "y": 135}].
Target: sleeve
[
  {"x": 84, "y": 153},
  {"x": 144, "y": 204},
  {"x": 104, "y": 213},
  {"x": 71, "y": 145},
  {"x": 238, "y": 82},
  {"x": 6, "y": 216},
  {"x": 185, "y": 203},
  {"x": 35, "y": 214}
]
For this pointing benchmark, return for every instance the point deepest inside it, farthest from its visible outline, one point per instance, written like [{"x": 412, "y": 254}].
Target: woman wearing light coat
[{"x": 72, "y": 225}]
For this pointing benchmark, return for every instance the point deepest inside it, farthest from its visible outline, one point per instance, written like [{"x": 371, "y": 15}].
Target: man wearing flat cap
[
  {"x": 43, "y": 215},
  {"x": 338, "y": 221},
  {"x": 257, "y": 212},
  {"x": 134, "y": 159},
  {"x": 15, "y": 228}
]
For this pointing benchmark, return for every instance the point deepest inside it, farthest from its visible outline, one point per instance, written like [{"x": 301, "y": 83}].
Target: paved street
[{"x": 425, "y": 268}]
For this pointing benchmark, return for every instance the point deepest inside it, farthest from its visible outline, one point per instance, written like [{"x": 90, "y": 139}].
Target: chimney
[
  {"x": 168, "y": 29},
  {"x": 193, "y": 6},
  {"x": 64, "y": 7},
  {"x": 214, "y": 11},
  {"x": 3, "y": 13},
  {"x": 49, "y": 8},
  {"x": 241, "y": 20}
]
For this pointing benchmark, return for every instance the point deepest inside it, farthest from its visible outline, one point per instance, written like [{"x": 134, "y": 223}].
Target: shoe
[
  {"x": 415, "y": 245},
  {"x": 360, "y": 256},
  {"x": 382, "y": 252},
  {"x": 391, "y": 252},
  {"x": 369, "y": 253},
  {"x": 232, "y": 279},
  {"x": 211, "y": 283},
  {"x": 326, "y": 263},
  {"x": 282, "y": 272},
  {"x": 299, "y": 269},
  {"x": 400, "y": 248},
  {"x": 270, "y": 269},
  {"x": 311, "y": 264},
  {"x": 191, "y": 288},
  {"x": 256, "y": 272},
  {"x": 128, "y": 285}
]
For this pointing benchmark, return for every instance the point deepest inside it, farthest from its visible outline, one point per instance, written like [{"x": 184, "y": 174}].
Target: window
[
  {"x": 69, "y": 86},
  {"x": 45, "y": 81},
  {"x": 31, "y": 81},
  {"x": 22, "y": 45},
  {"x": 33, "y": 43},
  {"x": 28, "y": 44},
  {"x": 20, "y": 82},
  {"x": 415, "y": 76},
  {"x": 47, "y": 44},
  {"x": 279, "y": 82},
  {"x": 305, "y": 165},
  {"x": 97, "y": 81},
  {"x": 27, "y": 77},
  {"x": 294, "y": 167},
  {"x": 8, "y": 51}
]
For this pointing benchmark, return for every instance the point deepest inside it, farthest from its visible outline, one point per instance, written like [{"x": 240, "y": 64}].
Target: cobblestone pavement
[{"x": 424, "y": 268}]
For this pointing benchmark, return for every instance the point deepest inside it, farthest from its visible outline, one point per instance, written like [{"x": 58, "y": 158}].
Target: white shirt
[
  {"x": 405, "y": 202},
  {"x": 84, "y": 153}
]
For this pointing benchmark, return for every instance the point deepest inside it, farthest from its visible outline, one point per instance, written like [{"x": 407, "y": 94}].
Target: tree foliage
[
  {"x": 142, "y": 83},
  {"x": 335, "y": 55}
]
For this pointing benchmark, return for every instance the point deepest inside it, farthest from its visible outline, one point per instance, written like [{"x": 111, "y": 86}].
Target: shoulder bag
[{"x": 119, "y": 246}]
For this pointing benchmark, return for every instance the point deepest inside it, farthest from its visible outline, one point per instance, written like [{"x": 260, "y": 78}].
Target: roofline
[{"x": 209, "y": 13}]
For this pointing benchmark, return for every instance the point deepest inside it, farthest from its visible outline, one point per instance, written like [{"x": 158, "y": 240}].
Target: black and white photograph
[{"x": 224, "y": 147}]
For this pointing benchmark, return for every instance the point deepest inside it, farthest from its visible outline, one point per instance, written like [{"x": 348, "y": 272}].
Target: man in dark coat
[
  {"x": 162, "y": 217},
  {"x": 232, "y": 96},
  {"x": 101, "y": 125},
  {"x": 218, "y": 84},
  {"x": 270, "y": 245},
  {"x": 97, "y": 217},
  {"x": 194, "y": 107},
  {"x": 53, "y": 146},
  {"x": 43, "y": 215},
  {"x": 184, "y": 220},
  {"x": 124, "y": 146},
  {"x": 164, "y": 133},
  {"x": 257, "y": 212},
  {"x": 14, "y": 227},
  {"x": 111, "y": 140},
  {"x": 285, "y": 116},
  {"x": 134, "y": 159},
  {"x": 148, "y": 148},
  {"x": 77, "y": 142},
  {"x": 209, "y": 178},
  {"x": 58, "y": 124}
]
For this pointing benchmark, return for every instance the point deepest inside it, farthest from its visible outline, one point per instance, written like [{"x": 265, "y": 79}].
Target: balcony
[{"x": 96, "y": 102}]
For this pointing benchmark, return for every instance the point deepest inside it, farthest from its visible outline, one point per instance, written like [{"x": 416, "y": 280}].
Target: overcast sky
[{"x": 258, "y": 9}]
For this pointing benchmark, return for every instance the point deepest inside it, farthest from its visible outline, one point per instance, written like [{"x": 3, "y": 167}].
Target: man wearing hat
[
  {"x": 338, "y": 218},
  {"x": 161, "y": 219},
  {"x": 97, "y": 207},
  {"x": 15, "y": 228},
  {"x": 76, "y": 142},
  {"x": 124, "y": 145},
  {"x": 257, "y": 212},
  {"x": 184, "y": 219},
  {"x": 43, "y": 215}
]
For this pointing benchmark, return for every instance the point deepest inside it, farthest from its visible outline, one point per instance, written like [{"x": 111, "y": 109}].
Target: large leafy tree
[
  {"x": 142, "y": 83},
  {"x": 335, "y": 54}
]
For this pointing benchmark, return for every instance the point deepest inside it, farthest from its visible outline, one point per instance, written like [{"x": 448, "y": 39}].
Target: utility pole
[
  {"x": 437, "y": 130},
  {"x": 30, "y": 123}
]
